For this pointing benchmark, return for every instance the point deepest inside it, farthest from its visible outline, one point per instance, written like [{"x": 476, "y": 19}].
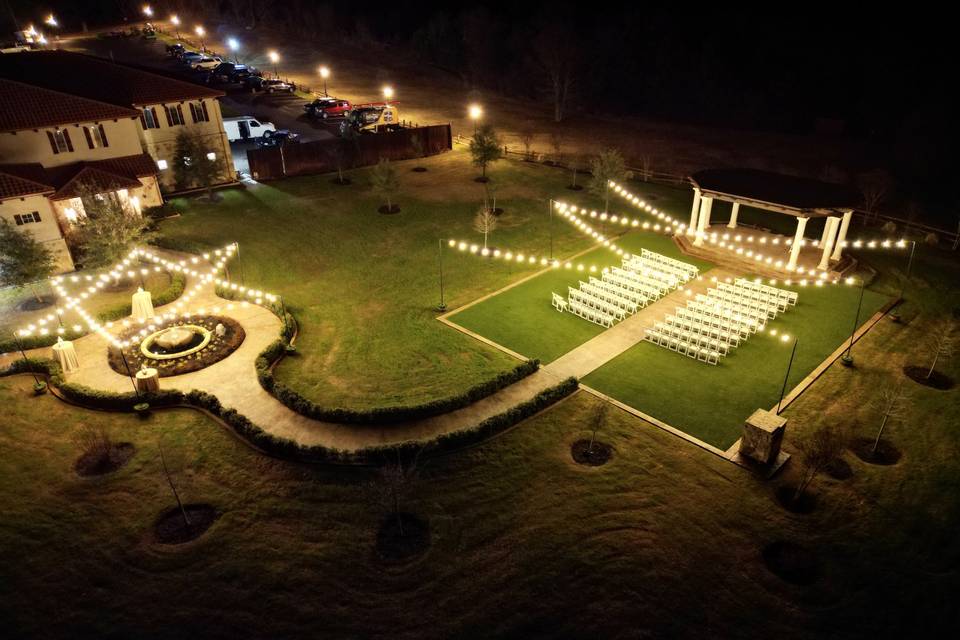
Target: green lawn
[
  {"x": 522, "y": 318},
  {"x": 364, "y": 286}
]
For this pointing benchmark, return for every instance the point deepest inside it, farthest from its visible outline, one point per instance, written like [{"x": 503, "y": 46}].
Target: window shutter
[
  {"x": 103, "y": 135},
  {"x": 193, "y": 112},
  {"x": 180, "y": 113},
  {"x": 53, "y": 142},
  {"x": 143, "y": 121},
  {"x": 166, "y": 110},
  {"x": 66, "y": 136},
  {"x": 86, "y": 134},
  {"x": 206, "y": 116},
  {"x": 36, "y": 216}
]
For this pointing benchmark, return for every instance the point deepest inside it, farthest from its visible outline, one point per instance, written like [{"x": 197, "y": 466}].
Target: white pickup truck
[{"x": 245, "y": 128}]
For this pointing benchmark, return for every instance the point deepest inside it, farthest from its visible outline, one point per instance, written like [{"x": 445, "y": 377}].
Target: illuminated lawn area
[
  {"x": 711, "y": 403},
  {"x": 365, "y": 286},
  {"x": 522, "y": 318}
]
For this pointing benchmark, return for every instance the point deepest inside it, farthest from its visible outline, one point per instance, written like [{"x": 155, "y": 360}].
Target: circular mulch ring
[
  {"x": 575, "y": 187},
  {"x": 497, "y": 211},
  {"x": 219, "y": 347},
  {"x": 937, "y": 380},
  {"x": 171, "y": 529},
  {"x": 342, "y": 183},
  {"x": 791, "y": 562},
  {"x": 886, "y": 454},
  {"x": 803, "y": 504},
  {"x": 481, "y": 179},
  {"x": 97, "y": 464},
  {"x": 393, "y": 547},
  {"x": 389, "y": 211},
  {"x": 599, "y": 456},
  {"x": 651, "y": 196},
  {"x": 32, "y": 304},
  {"x": 839, "y": 469},
  {"x": 419, "y": 169}
]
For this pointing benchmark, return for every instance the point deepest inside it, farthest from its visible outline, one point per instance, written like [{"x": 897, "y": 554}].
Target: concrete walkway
[{"x": 234, "y": 381}]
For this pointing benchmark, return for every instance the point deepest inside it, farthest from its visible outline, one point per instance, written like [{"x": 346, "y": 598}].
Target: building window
[
  {"x": 26, "y": 218},
  {"x": 161, "y": 164},
  {"x": 60, "y": 141},
  {"x": 148, "y": 118},
  {"x": 174, "y": 115},
  {"x": 199, "y": 113},
  {"x": 96, "y": 137}
]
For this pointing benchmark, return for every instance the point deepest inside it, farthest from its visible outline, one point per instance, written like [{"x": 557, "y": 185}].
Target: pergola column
[
  {"x": 797, "y": 239},
  {"x": 842, "y": 235},
  {"x": 705, "y": 205},
  {"x": 733, "y": 215},
  {"x": 692, "y": 229},
  {"x": 829, "y": 234}
]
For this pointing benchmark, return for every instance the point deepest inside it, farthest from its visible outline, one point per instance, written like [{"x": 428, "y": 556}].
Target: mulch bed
[
  {"x": 342, "y": 183},
  {"x": 497, "y": 211},
  {"x": 886, "y": 454},
  {"x": 389, "y": 211},
  {"x": 600, "y": 455},
  {"x": 937, "y": 380},
  {"x": 218, "y": 348},
  {"x": 419, "y": 169},
  {"x": 171, "y": 529},
  {"x": 95, "y": 464},
  {"x": 32, "y": 304},
  {"x": 791, "y": 562},
  {"x": 575, "y": 187},
  {"x": 839, "y": 469},
  {"x": 393, "y": 547},
  {"x": 804, "y": 504},
  {"x": 481, "y": 179}
]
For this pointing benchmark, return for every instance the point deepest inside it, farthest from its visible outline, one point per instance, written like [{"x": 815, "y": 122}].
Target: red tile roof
[
  {"x": 67, "y": 181},
  {"x": 98, "y": 79},
  {"x": 24, "y": 106}
]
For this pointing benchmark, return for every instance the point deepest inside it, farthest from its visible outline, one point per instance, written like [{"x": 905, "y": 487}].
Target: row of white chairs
[
  {"x": 589, "y": 313},
  {"x": 781, "y": 304},
  {"x": 648, "y": 284},
  {"x": 732, "y": 338},
  {"x": 691, "y": 337},
  {"x": 629, "y": 306},
  {"x": 769, "y": 309},
  {"x": 703, "y": 354},
  {"x": 759, "y": 315},
  {"x": 685, "y": 267},
  {"x": 724, "y": 324},
  {"x": 662, "y": 271},
  {"x": 724, "y": 314},
  {"x": 621, "y": 291},
  {"x": 790, "y": 296},
  {"x": 589, "y": 300}
]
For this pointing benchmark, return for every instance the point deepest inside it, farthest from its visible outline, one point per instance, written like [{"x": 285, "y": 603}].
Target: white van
[{"x": 245, "y": 128}]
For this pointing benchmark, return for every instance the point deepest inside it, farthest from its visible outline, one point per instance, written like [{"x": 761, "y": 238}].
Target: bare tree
[
  {"x": 893, "y": 405},
  {"x": 941, "y": 343},
  {"x": 556, "y": 56},
  {"x": 818, "y": 451},
  {"x": 95, "y": 445},
  {"x": 173, "y": 488},
  {"x": 485, "y": 222},
  {"x": 607, "y": 166},
  {"x": 384, "y": 181},
  {"x": 875, "y": 186},
  {"x": 393, "y": 484},
  {"x": 599, "y": 417},
  {"x": 556, "y": 143},
  {"x": 526, "y": 139},
  {"x": 646, "y": 164}
]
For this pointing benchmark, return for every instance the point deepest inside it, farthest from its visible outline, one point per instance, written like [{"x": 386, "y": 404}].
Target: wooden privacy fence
[{"x": 324, "y": 156}]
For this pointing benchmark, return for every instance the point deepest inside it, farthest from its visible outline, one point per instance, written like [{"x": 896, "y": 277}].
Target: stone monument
[{"x": 762, "y": 436}]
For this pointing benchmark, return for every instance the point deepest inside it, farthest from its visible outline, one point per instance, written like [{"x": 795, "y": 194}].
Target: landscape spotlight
[{"x": 387, "y": 92}]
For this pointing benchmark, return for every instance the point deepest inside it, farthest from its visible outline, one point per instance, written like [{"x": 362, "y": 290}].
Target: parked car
[
  {"x": 13, "y": 47},
  {"x": 268, "y": 85},
  {"x": 246, "y": 128},
  {"x": 174, "y": 50},
  {"x": 206, "y": 63},
  {"x": 230, "y": 72},
  {"x": 149, "y": 33},
  {"x": 190, "y": 57},
  {"x": 327, "y": 108},
  {"x": 278, "y": 138}
]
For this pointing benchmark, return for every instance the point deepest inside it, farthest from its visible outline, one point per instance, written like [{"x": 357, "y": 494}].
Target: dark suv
[{"x": 230, "y": 72}]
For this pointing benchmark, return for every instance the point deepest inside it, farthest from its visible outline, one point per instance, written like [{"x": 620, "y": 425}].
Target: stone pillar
[
  {"x": 706, "y": 223},
  {"x": 842, "y": 235},
  {"x": 829, "y": 233},
  {"x": 797, "y": 239},
  {"x": 733, "y": 215},
  {"x": 762, "y": 436},
  {"x": 705, "y": 204},
  {"x": 692, "y": 229}
]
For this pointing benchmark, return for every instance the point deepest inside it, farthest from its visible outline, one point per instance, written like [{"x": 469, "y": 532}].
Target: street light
[
  {"x": 387, "y": 92},
  {"x": 786, "y": 377},
  {"x": 234, "y": 45},
  {"x": 847, "y": 358},
  {"x": 200, "y": 31},
  {"x": 324, "y": 73},
  {"x": 147, "y": 11},
  {"x": 476, "y": 112},
  {"x": 51, "y": 21},
  {"x": 443, "y": 305},
  {"x": 274, "y": 58},
  {"x": 175, "y": 21}
]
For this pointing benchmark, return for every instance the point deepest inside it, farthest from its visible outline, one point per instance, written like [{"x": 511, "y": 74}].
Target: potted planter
[
  {"x": 142, "y": 409},
  {"x": 39, "y": 388}
]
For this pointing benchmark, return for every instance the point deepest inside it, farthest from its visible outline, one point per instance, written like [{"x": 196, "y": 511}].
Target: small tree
[
  {"x": 608, "y": 166},
  {"x": 646, "y": 167},
  {"x": 385, "y": 182},
  {"x": 817, "y": 452},
  {"x": 892, "y": 405},
  {"x": 874, "y": 186},
  {"x": 941, "y": 343},
  {"x": 485, "y": 148},
  {"x": 110, "y": 228},
  {"x": 23, "y": 259},
  {"x": 95, "y": 445},
  {"x": 337, "y": 152},
  {"x": 393, "y": 484},
  {"x": 526, "y": 139},
  {"x": 599, "y": 417},
  {"x": 192, "y": 163},
  {"x": 556, "y": 143},
  {"x": 485, "y": 222}
]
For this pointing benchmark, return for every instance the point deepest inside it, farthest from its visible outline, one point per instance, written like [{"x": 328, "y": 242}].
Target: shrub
[
  {"x": 889, "y": 227},
  {"x": 931, "y": 239}
]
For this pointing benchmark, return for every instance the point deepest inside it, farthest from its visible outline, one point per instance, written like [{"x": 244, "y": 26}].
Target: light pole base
[
  {"x": 441, "y": 307},
  {"x": 847, "y": 360}
]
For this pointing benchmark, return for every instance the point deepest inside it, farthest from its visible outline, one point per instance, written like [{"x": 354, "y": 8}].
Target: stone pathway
[{"x": 234, "y": 381}]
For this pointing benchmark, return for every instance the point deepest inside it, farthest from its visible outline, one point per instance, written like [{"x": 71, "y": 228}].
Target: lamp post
[
  {"x": 274, "y": 58},
  {"x": 387, "y": 93},
  {"x": 126, "y": 365},
  {"x": 442, "y": 306},
  {"x": 175, "y": 21},
  {"x": 239, "y": 261},
  {"x": 200, "y": 31},
  {"x": 234, "y": 45},
  {"x": 550, "y": 204},
  {"x": 906, "y": 278},
  {"x": 476, "y": 112},
  {"x": 147, "y": 11},
  {"x": 26, "y": 360},
  {"x": 786, "y": 377},
  {"x": 324, "y": 73},
  {"x": 847, "y": 358}
]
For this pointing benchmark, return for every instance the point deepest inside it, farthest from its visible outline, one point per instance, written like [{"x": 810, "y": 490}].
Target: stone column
[
  {"x": 842, "y": 235},
  {"x": 797, "y": 239},
  {"x": 692, "y": 229},
  {"x": 733, "y": 215},
  {"x": 829, "y": 234},
  {"x": 705, "y": 204}
]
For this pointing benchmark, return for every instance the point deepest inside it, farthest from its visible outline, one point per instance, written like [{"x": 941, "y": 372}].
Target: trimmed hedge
[{"x": 173, "y": 291}]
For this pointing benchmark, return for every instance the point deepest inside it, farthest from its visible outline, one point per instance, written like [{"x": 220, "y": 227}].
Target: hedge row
[
  {"x": 173, "y": 291},
  {"x": 379, "y": 415},
  {"x": 283, "y": 447}
]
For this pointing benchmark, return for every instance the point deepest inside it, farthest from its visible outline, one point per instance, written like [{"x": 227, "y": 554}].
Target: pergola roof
[{"x": 776, "y": 192}]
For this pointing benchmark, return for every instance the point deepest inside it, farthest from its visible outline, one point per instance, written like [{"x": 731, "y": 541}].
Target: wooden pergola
[{"x": 802, "y": 198}]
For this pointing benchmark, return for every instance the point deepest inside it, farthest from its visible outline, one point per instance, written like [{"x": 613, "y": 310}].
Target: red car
[{"x": 327, "y": 108}]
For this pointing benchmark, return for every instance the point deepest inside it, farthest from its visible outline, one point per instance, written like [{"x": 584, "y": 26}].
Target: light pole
[
  {"x": 550, "y": 204},
  {"x": 475, "y": 112},
  {"x": 443, "y": 305},
  {"x": 26, "y": 361},
  {"x": 325, "y": 73},
  {"x": 175, "y": 21},
  {"x": 786, "y": 377},
  {"x": 847, "y": 358},
  {"x": 387, "y": 93},
  {"x": 147, "y": 11},
  {"x": 200, "y": 31},
  {"x": 126, "y": 365},
  {"x": 234, "y": 45},
  {"x": 906, "y": 278},
  {"x": 274, "y": 58}
]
